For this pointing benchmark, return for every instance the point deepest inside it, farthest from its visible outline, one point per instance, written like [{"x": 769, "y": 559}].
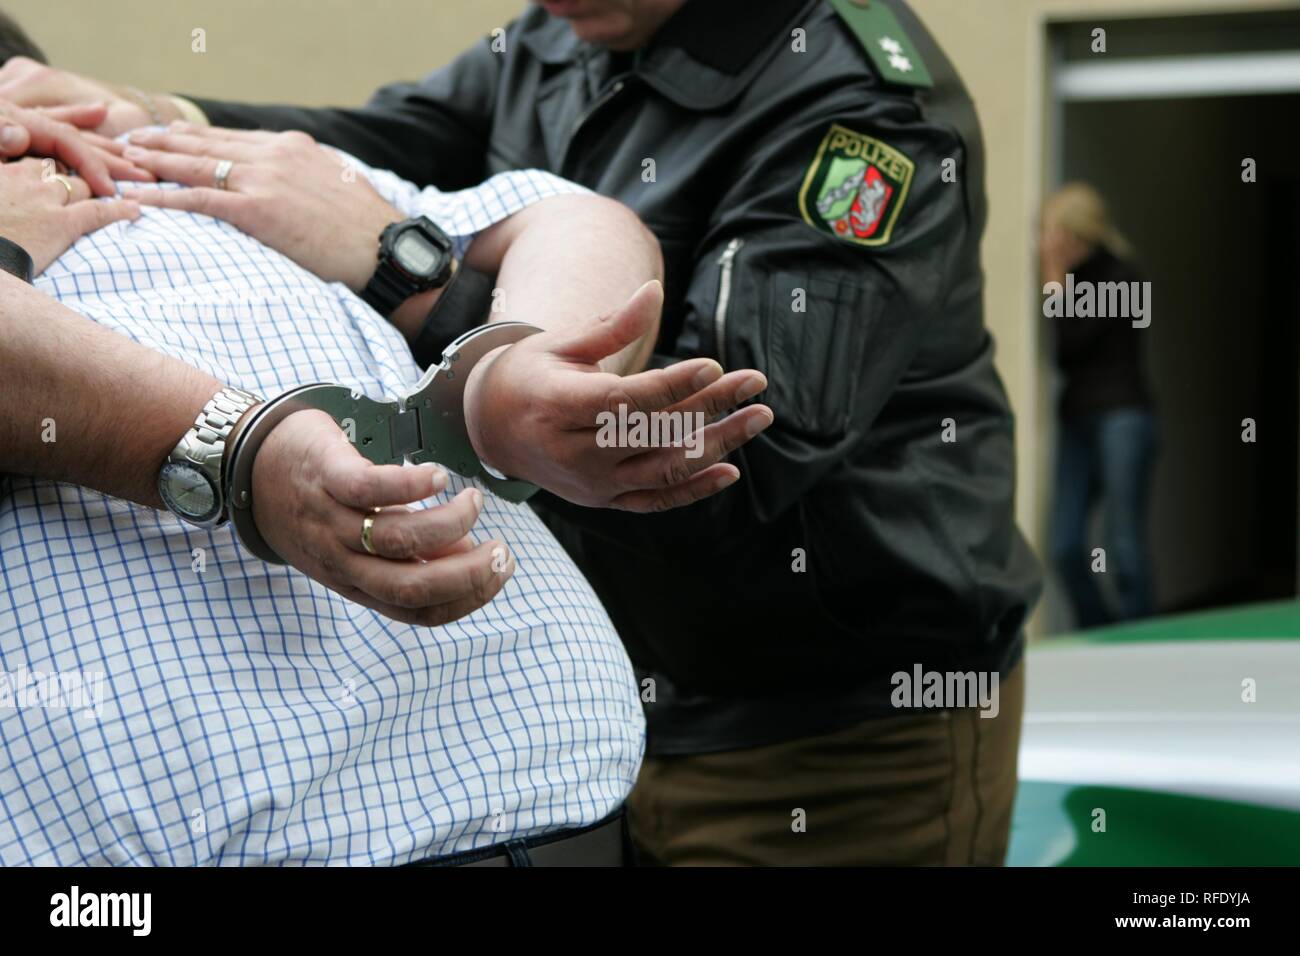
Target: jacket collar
[{"x": 704, "y": 56}]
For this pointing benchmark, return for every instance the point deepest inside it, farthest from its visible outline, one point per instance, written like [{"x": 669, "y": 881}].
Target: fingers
[
  {"x": 90, "y": 164},
  {"x": 732, "y": 389},
  {"x": 425, "y": 617},
  {"x": 698, "y": 387},
  {"x": 14, "y": 139},
  {"x": 619, "y": 329},
  {"x": 175, "y": 167},
  {"x": 582, "y": 397},
  {"x": 353, "y": 481},
  {"x": 426, "y": 570},
  {"x": 105, "y": 143},
  {"x": 82, "y": 115},
  {"x": 404, "y": 535},
  {"x": 123, "y": 169},
  {"x": 196, "y": 144},
  {"x": 96, "y": 158},
  {"x": 118, "y": 166},
  {"x": 667, "y": 467},
  {"x": 92, "y": 214},
  {"x": 703, "y": 485},
  {"x": 433, "y": 592},
  {"x": 658, "y": 388},
  {"x": 111, "y": 151},
  {"x": 66, "y": 143},
  {"x": 218, "y": 203},
  {"x": 466, "y": 543},
  {"x": 221, "y": 133}
]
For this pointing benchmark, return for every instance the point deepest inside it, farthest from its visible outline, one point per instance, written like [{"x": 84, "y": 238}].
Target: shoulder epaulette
[{"x": 890, "y": 49}]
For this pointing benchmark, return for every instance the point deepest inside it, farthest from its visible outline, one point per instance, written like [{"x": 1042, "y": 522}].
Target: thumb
[
  {"x": 91, "y": 214},
  {"x": 14, "y": 139},
  {"x": 619, "y": 329},
  {"x": 81, "y": 115}
]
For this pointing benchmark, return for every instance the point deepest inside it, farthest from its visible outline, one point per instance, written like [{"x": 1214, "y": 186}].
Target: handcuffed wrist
[{"x": 473, "y": 427}]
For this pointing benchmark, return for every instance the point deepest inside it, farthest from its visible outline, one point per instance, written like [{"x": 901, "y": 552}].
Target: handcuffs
[{"x": 426, "y": 425}]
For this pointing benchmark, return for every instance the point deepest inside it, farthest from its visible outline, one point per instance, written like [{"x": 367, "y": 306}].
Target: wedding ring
[
  {"x": 222, "y": 174},
  {"x": 65, "y": 183},
  {"x": 367, "y": 533}
]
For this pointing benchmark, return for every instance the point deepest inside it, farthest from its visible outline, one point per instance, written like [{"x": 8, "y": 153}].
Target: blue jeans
[{"x": 1105, "y": 458}]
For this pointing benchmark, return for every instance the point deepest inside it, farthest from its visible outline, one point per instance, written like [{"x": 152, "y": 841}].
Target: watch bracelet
[
  {"x": 221, "y": 413},
  {"x": 210, "y": 436}
]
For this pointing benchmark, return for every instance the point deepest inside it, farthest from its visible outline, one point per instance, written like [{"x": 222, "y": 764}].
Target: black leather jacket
[{"x": 909, "y": 548}]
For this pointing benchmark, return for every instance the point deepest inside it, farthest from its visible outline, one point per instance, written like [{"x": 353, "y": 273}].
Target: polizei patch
[{"x": 856, "y": 187}]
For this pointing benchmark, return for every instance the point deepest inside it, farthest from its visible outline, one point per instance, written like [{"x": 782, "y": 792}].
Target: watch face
[
  {"x": 188, "y": 492},
  {"x": 416, "y": 254}
]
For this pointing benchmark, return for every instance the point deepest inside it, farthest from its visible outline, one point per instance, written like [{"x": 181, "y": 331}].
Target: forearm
[
  {"x": 83, "y": 404},
  {"x": 566, "y": 261}
]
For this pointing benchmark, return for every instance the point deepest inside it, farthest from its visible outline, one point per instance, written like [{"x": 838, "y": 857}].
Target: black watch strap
[
  {"x": 386, "y": 291},
  {"x": 464, "y": 304},
  {"x": 15, "y": 260}
]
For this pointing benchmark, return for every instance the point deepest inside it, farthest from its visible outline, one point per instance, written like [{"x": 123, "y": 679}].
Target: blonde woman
[{"x": 1107, "y": 436}]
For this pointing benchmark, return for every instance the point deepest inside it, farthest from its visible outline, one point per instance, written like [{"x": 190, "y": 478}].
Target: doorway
[{"x": 1164, "y": 124}]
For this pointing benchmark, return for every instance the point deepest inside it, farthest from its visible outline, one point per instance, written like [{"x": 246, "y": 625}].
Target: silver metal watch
[{"x": 192, "y": 481}]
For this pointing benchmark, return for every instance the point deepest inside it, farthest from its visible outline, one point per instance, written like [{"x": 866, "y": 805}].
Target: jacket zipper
[
  {"x": 591, "y": 110},
  {"x": 728, "y": 261}
]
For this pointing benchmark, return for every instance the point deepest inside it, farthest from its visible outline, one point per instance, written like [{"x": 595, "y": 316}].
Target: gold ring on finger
[
  {"x": 66, "y": 183},
  {"x": 368, "y": 532}
]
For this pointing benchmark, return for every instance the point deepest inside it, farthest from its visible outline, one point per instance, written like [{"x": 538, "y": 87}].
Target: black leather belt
[{"x": 601, "y": 844}]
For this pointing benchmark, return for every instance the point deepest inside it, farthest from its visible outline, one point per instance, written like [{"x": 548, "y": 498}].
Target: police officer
[{"x": 814, "y": 172}]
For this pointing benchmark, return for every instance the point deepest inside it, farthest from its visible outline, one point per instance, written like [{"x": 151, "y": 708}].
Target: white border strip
[{"x": 1171, "y": 77}]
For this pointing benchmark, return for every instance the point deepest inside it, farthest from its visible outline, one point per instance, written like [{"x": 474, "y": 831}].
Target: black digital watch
[{"x": 414, "y": 256}]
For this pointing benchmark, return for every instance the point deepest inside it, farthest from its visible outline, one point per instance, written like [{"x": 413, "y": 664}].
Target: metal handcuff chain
[{"x": 426, "y": 425}]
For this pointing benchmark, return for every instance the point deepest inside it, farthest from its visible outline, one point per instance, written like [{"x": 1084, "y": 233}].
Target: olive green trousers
[{"x": 929, "y": 789}]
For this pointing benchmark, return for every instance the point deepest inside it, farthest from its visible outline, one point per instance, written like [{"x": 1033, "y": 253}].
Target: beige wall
[
  {"x": 336, "y": 51},
  {"x": 299, "y": 51}
]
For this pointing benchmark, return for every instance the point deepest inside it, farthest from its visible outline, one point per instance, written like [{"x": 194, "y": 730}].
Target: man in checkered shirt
[{"x": 167, "y": 698}]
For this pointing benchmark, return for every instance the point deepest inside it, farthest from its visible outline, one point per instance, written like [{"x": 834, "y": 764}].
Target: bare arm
[
  {"x": 561, "y": 264},
  {"x": 564, "y": 262},
  {"x": 58, "y": 368}
]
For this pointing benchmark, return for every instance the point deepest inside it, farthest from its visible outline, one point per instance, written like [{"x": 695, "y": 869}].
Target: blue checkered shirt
[{"x": 166, "y": 698}]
